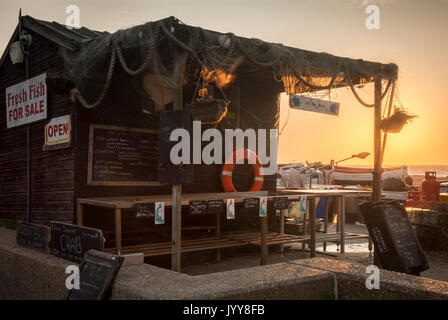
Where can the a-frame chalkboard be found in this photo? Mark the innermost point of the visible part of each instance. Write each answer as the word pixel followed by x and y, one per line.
pixel 98 271
pixel 394 238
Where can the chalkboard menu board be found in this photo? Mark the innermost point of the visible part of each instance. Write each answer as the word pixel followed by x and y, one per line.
pixel 120 156
pixel 197 207
pixel 71 242
pixel 252 203
pixel 281 203
pixel 202 207
pixel 33 236
pixel 145 210
pixel 98 271
pixel 215 206
pixel 394 238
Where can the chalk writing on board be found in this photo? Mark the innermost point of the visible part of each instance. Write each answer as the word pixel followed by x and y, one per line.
pixel 215 206
pixel 251 203
pixel 71 242
pixel 122 155
pixel 144 210
pixel 33 236
pixel 198 207
pixel 98 271
pixel 281 203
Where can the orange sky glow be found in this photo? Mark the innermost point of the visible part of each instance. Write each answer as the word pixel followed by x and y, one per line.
pixel 412 34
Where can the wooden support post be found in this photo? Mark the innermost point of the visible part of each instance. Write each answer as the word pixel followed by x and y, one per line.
pixel 79 214
pixel 391 101
pixel 305 217
pixel 176 228
pixel 218 235
pixel 377 171
pixel 327 208
pixel 342 215
pixel 176 194
pixel 376 196
pixel 337 206
pixel 118 230
pixel 282 227
pixel 312 214
pixel 264 233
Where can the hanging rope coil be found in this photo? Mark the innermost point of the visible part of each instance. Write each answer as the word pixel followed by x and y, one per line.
pixel 182 45
pixel 356 94
pixel 76 94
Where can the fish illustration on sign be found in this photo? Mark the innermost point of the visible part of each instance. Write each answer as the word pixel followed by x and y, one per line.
pixel 160 213
pixel 302 204
pixel 263 206
pixel 230 204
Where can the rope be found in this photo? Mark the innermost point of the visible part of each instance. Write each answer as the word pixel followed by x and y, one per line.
pixel 147 59
pixel 76 94
pixel 329 86
pixel 356 94
pixel 263 64
pixel 182 45
pixel 391 99
pixel 283 127
pixel 125 66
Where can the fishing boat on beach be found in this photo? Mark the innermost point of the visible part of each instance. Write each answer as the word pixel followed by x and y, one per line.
pixel 345 175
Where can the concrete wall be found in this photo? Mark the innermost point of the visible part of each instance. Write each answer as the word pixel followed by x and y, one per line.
pixel 28 274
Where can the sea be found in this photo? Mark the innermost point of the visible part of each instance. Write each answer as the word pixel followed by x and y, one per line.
pixel 419 170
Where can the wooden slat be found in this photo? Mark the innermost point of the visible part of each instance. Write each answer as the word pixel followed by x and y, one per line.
pixel 210 243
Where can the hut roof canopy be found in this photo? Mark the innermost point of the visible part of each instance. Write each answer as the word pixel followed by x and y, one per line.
pixel 166 47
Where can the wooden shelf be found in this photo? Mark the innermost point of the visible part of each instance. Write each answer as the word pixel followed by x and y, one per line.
pixel 233 240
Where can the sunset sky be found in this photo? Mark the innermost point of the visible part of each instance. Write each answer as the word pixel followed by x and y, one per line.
pixel 413 34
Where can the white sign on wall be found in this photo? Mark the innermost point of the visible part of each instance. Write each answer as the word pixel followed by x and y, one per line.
pixel 26 102
pixel 58 131
pixel 297 101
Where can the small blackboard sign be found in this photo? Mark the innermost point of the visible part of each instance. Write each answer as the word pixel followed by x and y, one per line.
pixel 252 203
pixel 33 236
pixel 215 206
pixel 71 242
pixel 198 207
pixel 281 203
pixel 97 273
pixel 144 210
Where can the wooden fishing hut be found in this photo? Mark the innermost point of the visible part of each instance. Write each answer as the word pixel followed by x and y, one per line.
pixel 55 164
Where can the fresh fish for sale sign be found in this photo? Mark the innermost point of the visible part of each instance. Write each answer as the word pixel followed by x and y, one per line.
pixel 26 102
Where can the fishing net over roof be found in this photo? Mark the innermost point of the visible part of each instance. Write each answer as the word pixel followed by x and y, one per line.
pixel 166 47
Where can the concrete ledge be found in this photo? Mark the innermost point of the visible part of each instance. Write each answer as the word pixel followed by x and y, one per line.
pixel 277 281
pixel 29 274
pixel 393 285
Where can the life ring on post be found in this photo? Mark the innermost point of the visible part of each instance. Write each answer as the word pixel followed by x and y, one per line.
pixel 232 160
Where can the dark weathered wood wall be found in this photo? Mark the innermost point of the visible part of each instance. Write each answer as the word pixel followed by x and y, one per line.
pixel 52 172
pixel 59 177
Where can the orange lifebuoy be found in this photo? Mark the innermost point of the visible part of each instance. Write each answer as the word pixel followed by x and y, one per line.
pixel 231 161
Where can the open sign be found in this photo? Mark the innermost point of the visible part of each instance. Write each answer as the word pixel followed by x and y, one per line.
pixel 58 132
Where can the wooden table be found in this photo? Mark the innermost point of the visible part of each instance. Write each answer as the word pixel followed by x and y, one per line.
pixel 312 194
pixel 264 238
